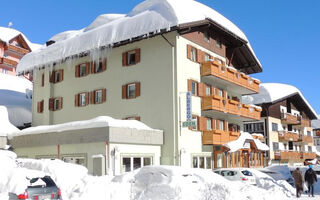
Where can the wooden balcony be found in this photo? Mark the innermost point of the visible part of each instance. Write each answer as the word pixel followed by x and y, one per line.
pixel 217 103
pixel 287 118
pixel 219 137
pixel 309 155
pixel 7 62
pixel 288 155
pixel 18 51
pixel 288 136
pixel 304 122
pixel 230 75
pixel 306 139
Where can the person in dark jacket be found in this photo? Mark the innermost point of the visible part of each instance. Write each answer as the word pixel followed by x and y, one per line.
pixel 311 178
pixel 298 181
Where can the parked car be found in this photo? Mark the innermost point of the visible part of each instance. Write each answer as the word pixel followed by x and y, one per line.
pixel 275 175
pixel 40 188
pixel 284 170
pixel 237 174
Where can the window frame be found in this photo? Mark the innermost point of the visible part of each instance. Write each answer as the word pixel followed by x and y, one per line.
pixel 198 157
pixel 193 54
pixel 82 99
pixel 132 157
pixel 134 91
pixel 81 67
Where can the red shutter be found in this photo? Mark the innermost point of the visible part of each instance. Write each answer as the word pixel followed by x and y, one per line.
pixel 189 85
pixel 76 100
pixel 42 80
pixel 87 98
pixel 124 91
pixel 51 104
pixel 61 75
pixel 77 72
pixel 213 122
pixel 189 51
pixel 104 64
pixel 60 103
pixel 104 95
pixel 124 59
pixel 198 123
pixel 87 68
pixel 202 124
pixel 199 56
pixel 202 89
pixel 137 55
pixel 137 89
pixel 42 104
pixel 93 66
pixel 52 75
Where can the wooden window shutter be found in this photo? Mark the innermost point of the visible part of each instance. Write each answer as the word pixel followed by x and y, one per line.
pixel 202 89
pixel 76 100
pixel 52 75
pixel 138 88
pixel 60 103
pixel 124 58
pixel 218 124
pixel 225 123
pixel 104 65
pixel 124 91
pixel 199 56
pixel 87 98
pixel 77 72
pixel 61 75
pixel 138 54
pixel 189 85
pixel 104 95
pixel 93 66
pixel 92 97
pixel 42 80
pixel 87 68
pixel 38 107
pixel 213 124
pixel 137 118
pixel 51 104
pixel 189 51
pixel 203 124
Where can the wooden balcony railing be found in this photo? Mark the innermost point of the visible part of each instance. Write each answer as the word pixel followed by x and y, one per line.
pixel 305 123
pixel 306 138
pixel 15 49
pixel 8 62
pixel 287 118
pixel 294 155
pixel 213 68
pixel 309 155
pixel 288 136
pixel 219 136
pixel 229 106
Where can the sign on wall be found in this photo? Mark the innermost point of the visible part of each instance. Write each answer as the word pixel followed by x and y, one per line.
pixel 188 104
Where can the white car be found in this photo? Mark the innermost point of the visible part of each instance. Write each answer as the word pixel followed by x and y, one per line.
pixel 237 174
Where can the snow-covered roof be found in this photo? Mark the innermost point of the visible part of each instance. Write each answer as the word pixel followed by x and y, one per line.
pixel 102 121
pixel 273 92
pixel 6 34
pixel 149 16
pixel 241 141
pixel 16 96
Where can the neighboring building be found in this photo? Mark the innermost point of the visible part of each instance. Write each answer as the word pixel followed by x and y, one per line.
pixel 285 123
pixel 142 66
pixel 316 133
pixel 13 46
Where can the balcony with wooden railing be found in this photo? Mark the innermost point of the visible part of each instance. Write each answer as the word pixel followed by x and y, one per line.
pixel 288 155
pixel 288 118
pixel 7 62
pixel 309 155
pixel 219 137
pixel 230 75
pixel 306 138
pixel 17 51
pixel 288 136
pixel 229 106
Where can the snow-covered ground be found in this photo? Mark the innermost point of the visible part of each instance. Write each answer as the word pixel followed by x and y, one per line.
pixel 152 182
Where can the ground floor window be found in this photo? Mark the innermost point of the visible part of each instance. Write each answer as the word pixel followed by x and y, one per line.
pixel 203 162
pixel 75 159
pixel 130 163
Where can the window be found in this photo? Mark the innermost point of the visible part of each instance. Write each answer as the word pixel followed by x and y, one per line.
pixel 206 36
pixel 132 118
pixel 99 66
pixel 275 146
pixel 98 96
pixel 208 90
pixel 219 92
pixel 193 54
pixel 83 70
pixel 206 57
pixel 55 103
pixel 194 88
pixel 42 80
pixel 308 133
pixel 254 127
pixel 80 160
pixel 219 44
pixel 203 162
pixel 209 124
pixel 221 125
pixel 195 118
pixel 309 149
pixel 5 71
pixel 131 90
pixel 131 57
pixel 290 144
pixel 40 106
pixel 130 163
pixel 274 127
pixel 56 76
pixel 82 99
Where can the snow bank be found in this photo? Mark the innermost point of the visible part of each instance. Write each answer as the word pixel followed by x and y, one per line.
pixel 242 140
pixel 149 16
pixel 6 126
pixel 102 121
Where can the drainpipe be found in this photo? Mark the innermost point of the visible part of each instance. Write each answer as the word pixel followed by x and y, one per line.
pixel 174 95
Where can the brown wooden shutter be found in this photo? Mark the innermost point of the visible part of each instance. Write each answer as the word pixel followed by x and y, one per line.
pixel 87 98
pixel 38 107
pixel 137 55
pixel 52 75
pixel 189 85
pixel 202 89
pixel 224 93
pixel 87 68
pixel 137 118
pixel 203 124
pixel 124 91
pixel 138 92
pixel 104 64
pixel 199 56
pixel 124 58
pixel 76 100
pixel 61 75
pixel 60 103
pixel 42 80
pixel 92 97
pixel 93 66
pixel 189 51
pixel 104 95
pixel 213 122
pixel 218 124
pixel 51 104
pixel 77 72
pixel 225 123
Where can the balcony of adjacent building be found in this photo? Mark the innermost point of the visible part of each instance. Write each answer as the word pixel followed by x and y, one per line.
pixel 15 51
pixel 7 62
pixel 294 155
pixel 287 136
pixel 297 120
pixel 219 137
pixel 213 72
pixel 218 105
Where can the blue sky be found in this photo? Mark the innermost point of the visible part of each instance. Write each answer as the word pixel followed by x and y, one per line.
pixel 284 34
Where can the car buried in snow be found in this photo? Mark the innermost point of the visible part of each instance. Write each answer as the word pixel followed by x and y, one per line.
pixel 39 188
pixel 237 174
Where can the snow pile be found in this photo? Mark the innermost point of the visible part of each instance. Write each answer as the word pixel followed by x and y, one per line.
pixel 150 16
pixel 271 92
pixel 244 138
pixel 6 126
pixel 6 34
pixel 16 96
pixel 283 169
pixel 102 121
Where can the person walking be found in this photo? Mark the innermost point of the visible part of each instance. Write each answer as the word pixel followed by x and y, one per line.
pixel 311 178
pixel 298 181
